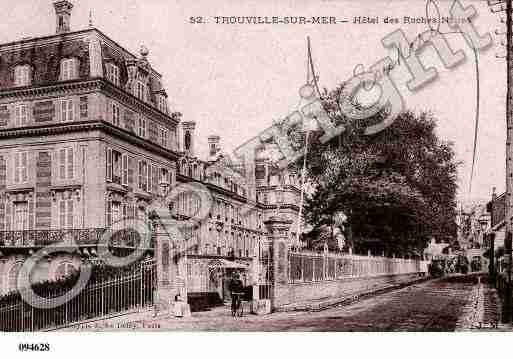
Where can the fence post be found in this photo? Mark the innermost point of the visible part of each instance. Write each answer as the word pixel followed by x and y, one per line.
pixel 142 286
pixel 103 297
pixel 277 229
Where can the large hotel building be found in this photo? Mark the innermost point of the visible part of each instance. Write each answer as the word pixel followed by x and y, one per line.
pixel 86 136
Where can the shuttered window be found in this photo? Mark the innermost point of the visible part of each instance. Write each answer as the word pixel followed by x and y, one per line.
pixel 22 75
pixel 21 115
pixel 69 69
pixel 113 74
pixel 143 175
pixel 66 213
pixel 66 163
pixel 20 167
pixel 67 110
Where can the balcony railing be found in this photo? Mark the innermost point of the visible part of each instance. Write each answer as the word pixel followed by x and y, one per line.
pixel 80 237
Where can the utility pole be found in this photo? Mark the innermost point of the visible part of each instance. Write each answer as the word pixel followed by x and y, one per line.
pixel 499 6
pixel 507 310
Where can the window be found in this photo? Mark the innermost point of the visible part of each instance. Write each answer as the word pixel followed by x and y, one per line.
pixel 68 69
pixel 64 269
pixel 113 74
pixel 162 103
pixel 66 214
pixel 20 218
pixel 143 176
pixel 163 137
pixel 12 277
pixel 141 129
pixel 164 176
pixel 20 167
pixel 21 114
pixel 66 163
pixel 22 75
pixel 116 212
pixel 116 115
pixel 67 110
pixel 117 167
pixel 140 90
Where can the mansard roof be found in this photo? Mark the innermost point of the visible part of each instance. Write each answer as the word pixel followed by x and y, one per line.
pixel 44 54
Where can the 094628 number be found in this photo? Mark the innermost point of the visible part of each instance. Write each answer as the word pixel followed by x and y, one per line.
pixel 31 347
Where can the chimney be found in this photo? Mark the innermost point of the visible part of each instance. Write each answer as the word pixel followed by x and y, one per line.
pixel 63 15
pixel 188 137
pixel 213 144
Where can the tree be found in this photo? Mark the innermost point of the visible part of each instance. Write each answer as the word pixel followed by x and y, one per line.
pixel 396 187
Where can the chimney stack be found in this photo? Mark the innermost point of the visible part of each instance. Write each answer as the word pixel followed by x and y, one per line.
pixel 188 128
pixel 213 144
pixel 63 14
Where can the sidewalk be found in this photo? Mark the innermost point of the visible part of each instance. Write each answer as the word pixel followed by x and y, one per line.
pixel 482 311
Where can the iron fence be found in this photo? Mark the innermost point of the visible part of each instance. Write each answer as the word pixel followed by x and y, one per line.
pixel 312 267
pixel 97 300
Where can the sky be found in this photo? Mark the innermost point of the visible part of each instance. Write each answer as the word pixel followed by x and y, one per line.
pixel 234 80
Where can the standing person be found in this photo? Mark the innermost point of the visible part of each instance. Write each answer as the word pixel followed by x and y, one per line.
pixel 235 287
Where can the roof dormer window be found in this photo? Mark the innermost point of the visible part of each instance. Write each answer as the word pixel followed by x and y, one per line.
pixel 113 73
pixel 162 103
pixel 22 75
pixel 140 90
pixel 69 69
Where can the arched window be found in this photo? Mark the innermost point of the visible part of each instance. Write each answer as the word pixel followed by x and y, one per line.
pixel 64 269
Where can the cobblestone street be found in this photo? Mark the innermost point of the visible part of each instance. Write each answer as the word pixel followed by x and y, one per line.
pixel 436 305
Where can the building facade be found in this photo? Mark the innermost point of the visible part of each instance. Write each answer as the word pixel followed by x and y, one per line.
pixel 86 138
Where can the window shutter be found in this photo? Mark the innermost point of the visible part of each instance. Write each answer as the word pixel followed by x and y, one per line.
pixel 71 110
pixel 24 166
pixel 70 214
pixel 17 167
pixel 124 165
pixel 70 163
pixel 63 110
pixel 62 213
pixel 155 179
pixel 109 164
pixel 57 109
pixel 140 175
pixel 62 164
pixel 8 216
pixel 109 213
pixel 130 172
pixel 76 109
pixel 149 178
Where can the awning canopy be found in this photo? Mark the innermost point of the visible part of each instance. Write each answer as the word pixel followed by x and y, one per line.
pixel 224 263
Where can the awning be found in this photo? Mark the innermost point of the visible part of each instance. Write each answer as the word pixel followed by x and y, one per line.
pixel 224 263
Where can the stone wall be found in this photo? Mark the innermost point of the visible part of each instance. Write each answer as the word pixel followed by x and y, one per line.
pixel 330 289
